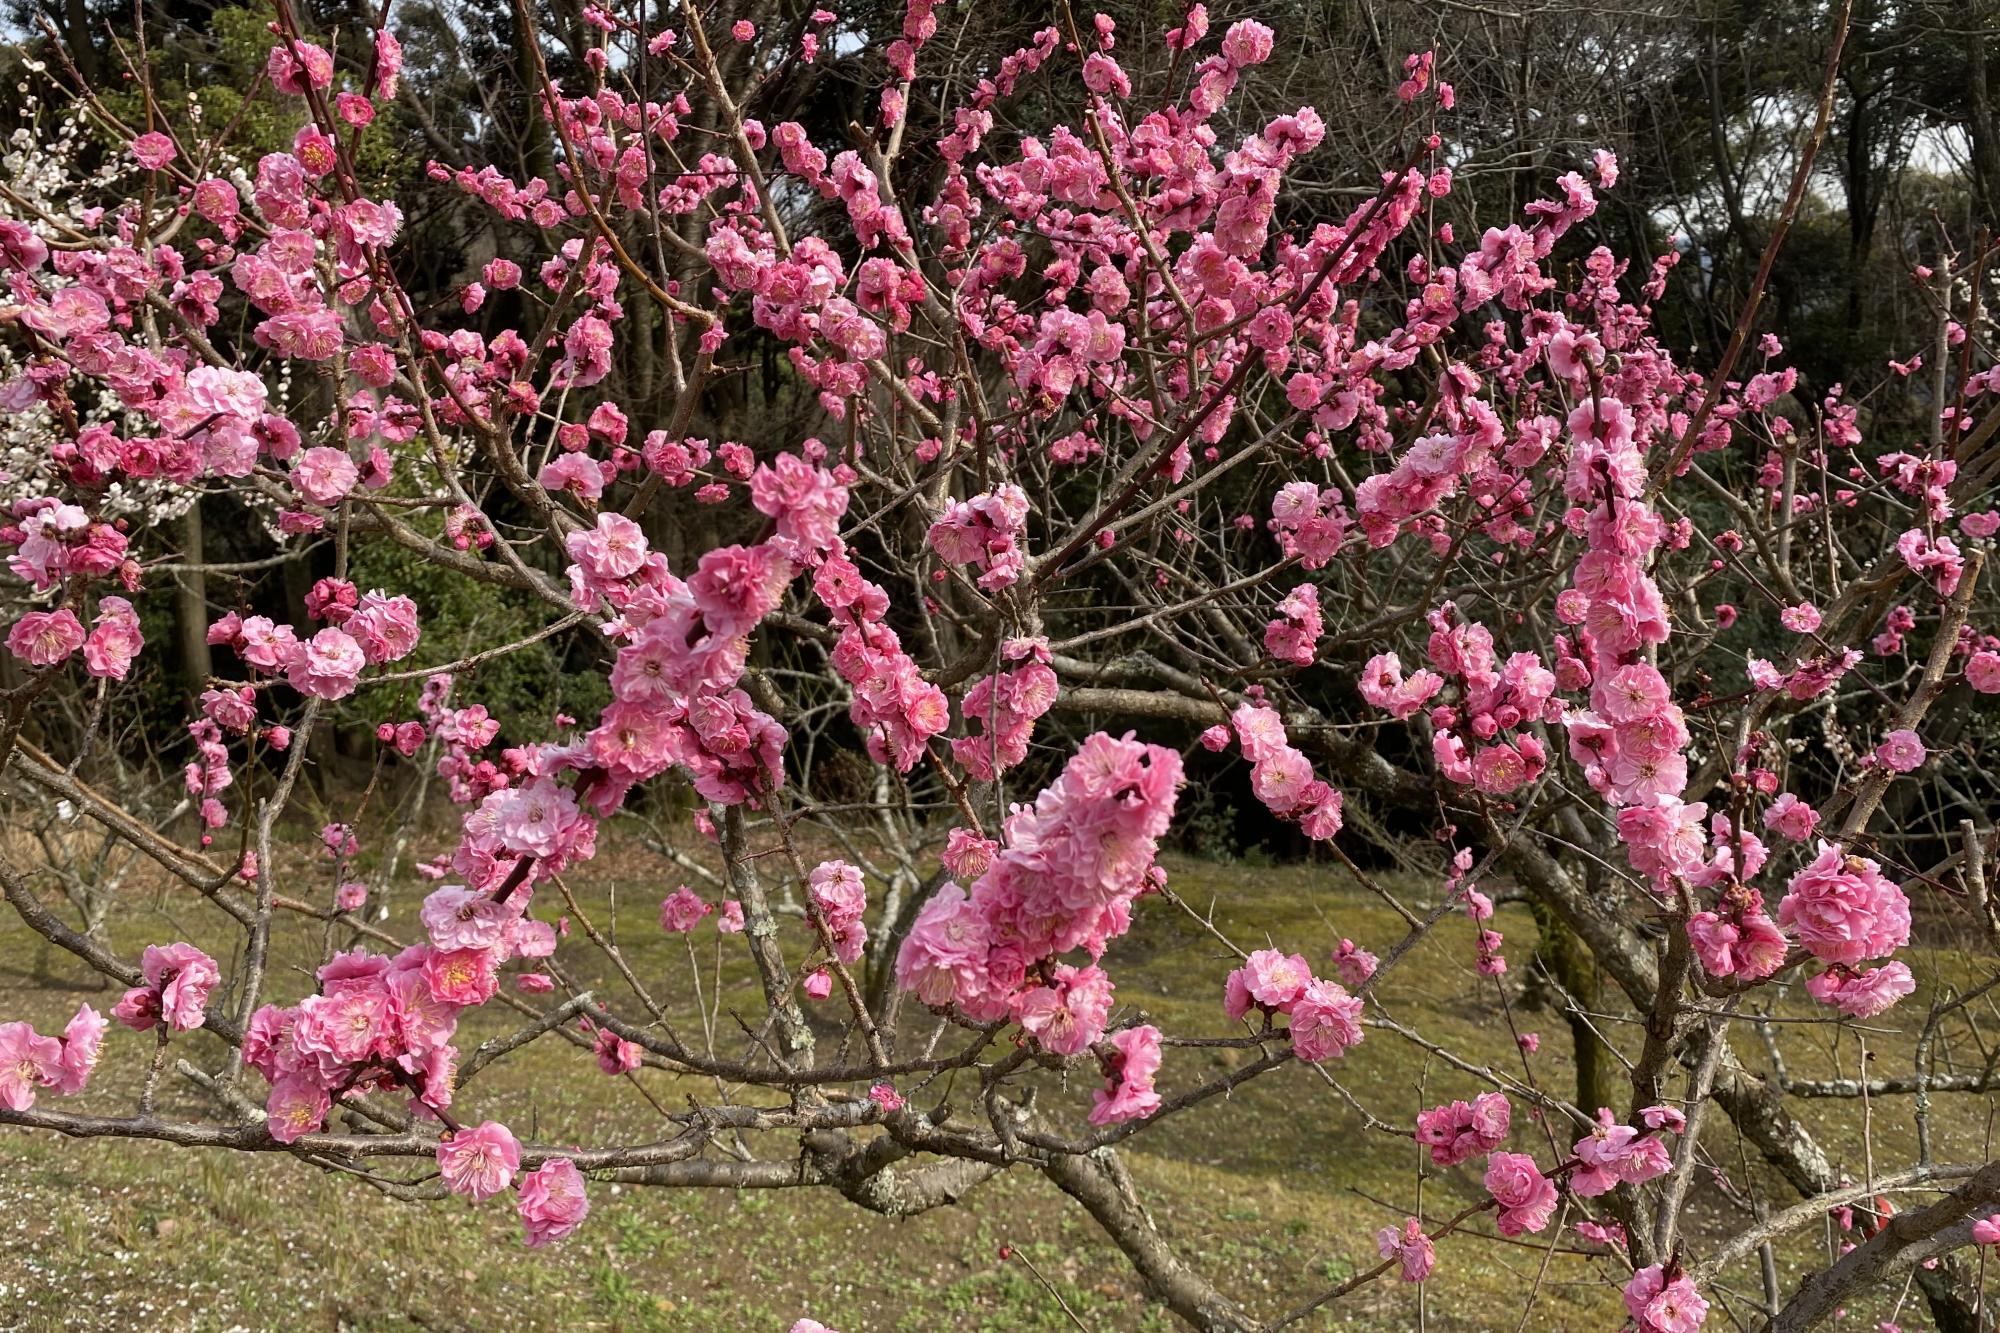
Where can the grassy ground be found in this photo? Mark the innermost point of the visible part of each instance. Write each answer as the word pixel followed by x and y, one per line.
pixel 1274 1191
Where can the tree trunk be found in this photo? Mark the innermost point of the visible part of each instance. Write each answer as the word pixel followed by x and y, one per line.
pixel 1952 1310
pixel 191 604
pixel 538 152
pixel 1985 137
pixel 81 40
pixel 1573 969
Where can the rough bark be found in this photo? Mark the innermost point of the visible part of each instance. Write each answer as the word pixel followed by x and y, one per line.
pixel 761 932
pixel 1905 1242
pixel 1098 1182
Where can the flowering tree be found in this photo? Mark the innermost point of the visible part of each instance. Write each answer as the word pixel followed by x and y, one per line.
pixel 1104 426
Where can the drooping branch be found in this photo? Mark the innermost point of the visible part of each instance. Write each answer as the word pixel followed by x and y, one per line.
pixel 1099 1182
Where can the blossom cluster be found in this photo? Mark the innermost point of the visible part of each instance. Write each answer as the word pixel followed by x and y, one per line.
pixel 1324 1019
pixel 1136 284
pixel 361 631
pixel 1281 775
pixel 1460 1131
pixel 177 982
pixel 1292 635
pixel 1486 740
pixel 387 1021
pixel 1065 878
pixel 484 1161
pixel 840 898
pixel 985 532
pixel 1001 709
pixel 29 1061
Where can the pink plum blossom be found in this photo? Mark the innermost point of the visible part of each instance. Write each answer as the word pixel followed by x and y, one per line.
pixel 1901 750
pixel 1409 1247
pixel 552 1202
pixel 1130 1063
pixel 1844 910
pixel 479 1162
pixel 682 910
pixel 178 978
pixel 1526 1197
pixel 1659 1304
pixel 27 1062
pixel 45 638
